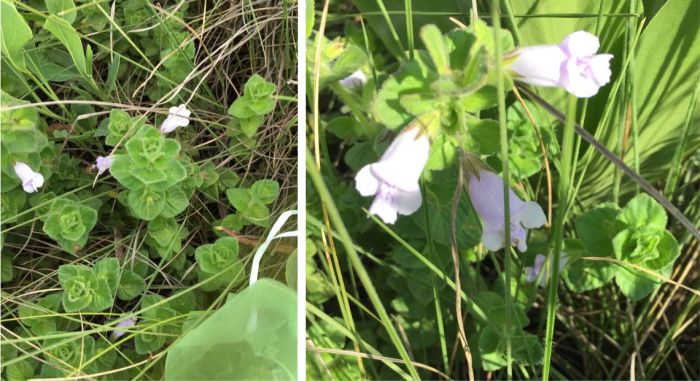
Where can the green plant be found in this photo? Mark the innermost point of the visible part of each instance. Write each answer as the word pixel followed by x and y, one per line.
pixel 219 261
pixel 251 202
pixel 69 223
pixel 256 102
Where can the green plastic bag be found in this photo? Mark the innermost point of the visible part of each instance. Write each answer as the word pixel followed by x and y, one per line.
pixel 251 337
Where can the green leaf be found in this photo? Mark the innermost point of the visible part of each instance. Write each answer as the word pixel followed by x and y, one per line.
pixel 15 34
pixel 413 77
pixel 597 228
pixel 249 126
pixel 6 267
pixel 581 275
pixel 434 43
pixel 119 125
pixel 175 202
pixel 265 191
pixel 215 257
pixel 108 269
pixel 102 298
pixel 644 212
pixel 131 285
pixel 77 282
pixel 257 213
pixel 62 8
pixel 668 249
pixel 20 370
pixel 486 134
pixel 634 283
pixel 146 203
pixel 310 16
pixel 70 39
pixel 62 353
pixel 240 198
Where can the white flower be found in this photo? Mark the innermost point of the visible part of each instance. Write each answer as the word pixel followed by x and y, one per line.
pixel 393 180
pixel 177 117
pixel 31 181
pixel 572 65
pixel 531 273
pixel 486 194
pixel 127 323
pixel 354 80
pixel 103 163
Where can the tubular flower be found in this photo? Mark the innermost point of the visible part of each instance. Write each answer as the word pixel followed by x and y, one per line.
pixel 127 323
pixel 102 163
pixel 177 117
pixel 572 65
pixel 486 194
pixel 354 80
pixel 31 181
pixel 393 180
pixel 531 273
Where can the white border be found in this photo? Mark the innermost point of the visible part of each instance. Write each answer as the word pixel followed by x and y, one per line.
pixel 301 190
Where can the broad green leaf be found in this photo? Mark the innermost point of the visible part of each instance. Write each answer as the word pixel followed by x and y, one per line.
pixel 434 44
pixel 258 214
pixel 108 269
pixel 635 284
pixel 131 285
pixel 596 228
pixel 6 267
pixel 175 202
pixel 644 212
pixel 240 198
pixel 581 275
pixel 146 203
pixel 265 191
pixel 102 296
pixel 310 17
pixel 64 9
pixel 77 282
pixel 119 125
pixel 70 39
pixel 486 134
pixel 413 77
pixel 19 371
pixel 15 33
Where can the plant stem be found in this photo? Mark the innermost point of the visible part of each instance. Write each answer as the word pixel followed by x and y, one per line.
pixel 495 12
pixel 558 235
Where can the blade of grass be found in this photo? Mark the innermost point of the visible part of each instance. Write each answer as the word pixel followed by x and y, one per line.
pixel 500 85
pixel 357 265
pixel 565 179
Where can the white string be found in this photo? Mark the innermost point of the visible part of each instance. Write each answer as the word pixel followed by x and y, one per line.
pixel 276 227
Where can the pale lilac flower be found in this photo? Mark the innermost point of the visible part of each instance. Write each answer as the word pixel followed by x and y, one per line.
pixel 130 322
pixel 572 65
pixel 531 273
pixel 103 163
pixel 177 117
pixel 486 194
pixel 393 180
pixel 31 181
pixel 354 80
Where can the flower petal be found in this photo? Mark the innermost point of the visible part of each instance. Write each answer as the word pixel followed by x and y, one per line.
pixel 23 171
pixel 354 80
pixel 539 65
pixel 532 216
pixel 580 44
pixel 365 182
pixel 383 208
pixel 493 240
pixel 407 202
